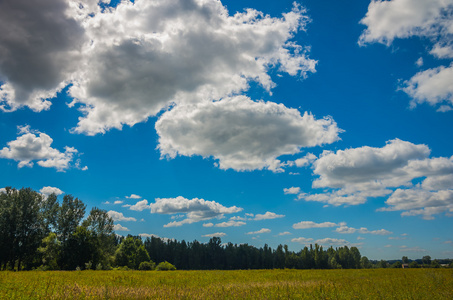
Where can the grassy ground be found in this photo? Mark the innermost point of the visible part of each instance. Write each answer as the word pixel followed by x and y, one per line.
pixel 252 284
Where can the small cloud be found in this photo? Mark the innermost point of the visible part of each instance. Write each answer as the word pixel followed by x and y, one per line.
pixel 291 191
pixel 360 238
pixel 118 202
pixel 140 205
pixel 133 196
pixel 311 224
pixel 388 246
pixel 267 216
pixel 262 230
pixel 208 224
pixel 285 233
pixel 118 227
pixel 47 190
pixel 117 216
pixel 230 224
pixel 419 62
pixel 302 240
pixel 217 234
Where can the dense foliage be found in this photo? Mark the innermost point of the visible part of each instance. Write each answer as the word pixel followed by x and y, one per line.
pixel 38 232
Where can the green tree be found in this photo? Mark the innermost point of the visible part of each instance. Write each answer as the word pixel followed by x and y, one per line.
pixel 50 209
pixel 100 224
pixel 70 214
pixel 365 263
pixel 405 260
pixel 50 250
pixel 79 249
pixel 426 260
pixel 131 252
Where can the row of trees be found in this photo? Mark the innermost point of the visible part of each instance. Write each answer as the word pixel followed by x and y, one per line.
pixel 215 255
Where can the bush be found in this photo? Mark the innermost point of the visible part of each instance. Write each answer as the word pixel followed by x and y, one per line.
pixel 165 266
pixel 147 266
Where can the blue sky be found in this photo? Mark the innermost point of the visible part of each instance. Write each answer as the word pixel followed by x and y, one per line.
pixel 256 121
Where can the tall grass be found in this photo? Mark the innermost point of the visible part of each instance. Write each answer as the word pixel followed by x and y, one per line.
pixel 252 284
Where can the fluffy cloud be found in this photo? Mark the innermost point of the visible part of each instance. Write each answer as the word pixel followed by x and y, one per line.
pixel 347 230
pixel 40 46
pixel 415 202
pixel 117 216
pixel 178 51
pixel 388 20
pixel 140 205
pixel 262 230
pixel 354 175
pixel 311 224
pixel 47 190
pixel 284 233
pixel 217 234
pixel 133 196
pixel 433 86
pixel 324 242
pixel 230 223
pixel 119 227
pixel 33 145
pixel 240 133
pixel 267 216
pixel 196 210
pixel 127 63
pixel 291 191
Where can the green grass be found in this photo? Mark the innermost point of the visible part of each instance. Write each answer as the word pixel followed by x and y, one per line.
pixel 252 284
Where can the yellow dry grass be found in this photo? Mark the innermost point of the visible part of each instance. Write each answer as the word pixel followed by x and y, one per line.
pixel 250 284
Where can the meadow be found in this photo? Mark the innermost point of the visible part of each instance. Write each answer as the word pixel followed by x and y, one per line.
pixel 247 284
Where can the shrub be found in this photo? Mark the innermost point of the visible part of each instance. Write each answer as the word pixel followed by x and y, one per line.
pixel 165 266
pixel 147 266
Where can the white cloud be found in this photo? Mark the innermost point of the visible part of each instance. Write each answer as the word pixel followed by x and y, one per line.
pixel 117 216
pixel 218 59
pixel 433 86
pixel 217 234
pixel 352 176
pixel 196 210
pixel 140 205
pixel 412 249
pixel 118 202
pixel 311 224
pixel 347 230
pixel 240 133
pixel 308 159
pixel 208 224
pixel 267 216
pixel 230 223
pixel 119 227
pixel 47 190
pixel 415 202
pixel 262 230
pixel 291 191
pixel 332 242
pixel 284 233
pixel 302 240
pixel 387 20
pixel 133 196
pixel 33 145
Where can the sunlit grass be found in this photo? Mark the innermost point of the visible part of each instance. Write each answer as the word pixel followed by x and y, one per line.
pixel 252 284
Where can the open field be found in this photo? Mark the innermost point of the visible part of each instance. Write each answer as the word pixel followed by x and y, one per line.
pixel 251 284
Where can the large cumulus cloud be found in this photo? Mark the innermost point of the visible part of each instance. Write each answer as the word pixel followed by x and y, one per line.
pixel 240 133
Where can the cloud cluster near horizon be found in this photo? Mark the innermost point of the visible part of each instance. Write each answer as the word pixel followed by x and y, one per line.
pixel 352 176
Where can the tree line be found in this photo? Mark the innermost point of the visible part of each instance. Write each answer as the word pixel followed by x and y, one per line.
pixel 38 232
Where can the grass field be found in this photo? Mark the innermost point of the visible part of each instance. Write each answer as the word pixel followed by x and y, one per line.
pixel 252 284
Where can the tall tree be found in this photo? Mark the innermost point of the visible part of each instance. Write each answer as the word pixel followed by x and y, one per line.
pixel 70 214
